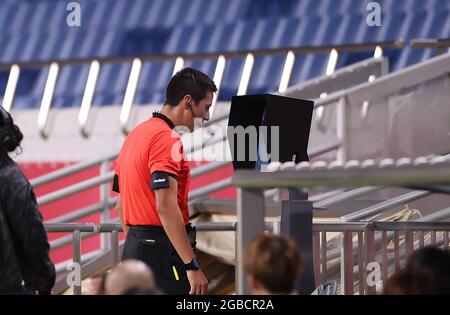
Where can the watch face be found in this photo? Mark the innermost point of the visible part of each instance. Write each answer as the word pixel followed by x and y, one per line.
pixel 196 263
pixel 193 265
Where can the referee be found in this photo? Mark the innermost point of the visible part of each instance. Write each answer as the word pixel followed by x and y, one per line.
pixel 152 179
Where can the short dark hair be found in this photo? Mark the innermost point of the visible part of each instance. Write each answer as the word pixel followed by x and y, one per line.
pixel 188 81
pixel 275 261
pixel 10 134
pixel 427 271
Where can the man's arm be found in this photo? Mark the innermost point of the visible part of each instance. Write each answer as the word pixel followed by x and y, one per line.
pixel 120 215
pixel 173 224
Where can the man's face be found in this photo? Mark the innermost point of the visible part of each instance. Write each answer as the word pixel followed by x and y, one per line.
pixel 200 111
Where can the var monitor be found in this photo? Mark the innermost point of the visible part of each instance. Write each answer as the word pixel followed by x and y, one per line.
pixel 266 128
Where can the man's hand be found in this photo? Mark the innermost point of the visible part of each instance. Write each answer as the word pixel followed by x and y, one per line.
pixel 198 282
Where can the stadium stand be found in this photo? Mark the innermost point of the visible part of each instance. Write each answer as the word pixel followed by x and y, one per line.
pixel 395 96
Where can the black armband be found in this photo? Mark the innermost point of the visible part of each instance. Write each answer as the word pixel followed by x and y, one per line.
pixel 160 180
pixel 115 186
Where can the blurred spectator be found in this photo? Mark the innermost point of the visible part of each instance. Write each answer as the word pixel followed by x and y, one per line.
pixel 140 291
pixel 97 285
pixel 25 266
pixel 427 271
pixel 129 275
pixel 400 283
pixel 273 264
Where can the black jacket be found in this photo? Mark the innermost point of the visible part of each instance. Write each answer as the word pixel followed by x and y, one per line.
pixel 25 265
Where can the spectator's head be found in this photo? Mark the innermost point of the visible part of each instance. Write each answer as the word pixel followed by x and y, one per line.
pixel 192 90
pixel 10 134
pixel 431 267
pixel 427 271
pixel 273 264
pixel 130 274
pixel 400 283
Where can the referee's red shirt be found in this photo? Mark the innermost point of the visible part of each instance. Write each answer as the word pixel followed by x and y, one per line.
pixel 151 146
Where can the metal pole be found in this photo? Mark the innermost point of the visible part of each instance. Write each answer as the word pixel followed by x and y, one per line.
pixel 250 215
pixel 370 256
pixel 105 215
pixel 316 250
pixel 347 263
pixel 340 126
pixel 114 247
pixel 361 266
pixel 76 246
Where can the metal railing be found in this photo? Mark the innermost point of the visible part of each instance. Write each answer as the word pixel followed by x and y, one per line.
pixel 441 45
pixel 366 266
pixel 356 263
pixel 137 64
pixel 92 262
pixel 251 203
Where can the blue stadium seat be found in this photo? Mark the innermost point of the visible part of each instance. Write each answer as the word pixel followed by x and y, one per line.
pixel 221 34
pixel 179 40
pixel 306 8
pixel 267 71
pixel 7 15
pixel 327 33
pixel 231 78
pixel 150 16
pixel 42 11
pixel 73 39
pixel 266 74
pixel 242 32
pixel 152 82
pixel 264 33
pixel 306 33
pixel 348 31
pixel 115 27
pixel 3 81
pixel 217 11
pixel 39 83
pixel 308 66
pixel 208 66
pixel 4 43
pixel 26 102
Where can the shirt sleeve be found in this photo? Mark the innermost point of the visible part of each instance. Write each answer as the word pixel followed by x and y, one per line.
pixel 165 153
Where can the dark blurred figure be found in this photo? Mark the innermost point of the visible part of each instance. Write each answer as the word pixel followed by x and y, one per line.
pixel 25 266
pixel 427 271
pixel 400 283
pixel 273 264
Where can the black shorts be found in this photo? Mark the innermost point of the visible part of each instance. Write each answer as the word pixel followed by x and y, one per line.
pixel 151 245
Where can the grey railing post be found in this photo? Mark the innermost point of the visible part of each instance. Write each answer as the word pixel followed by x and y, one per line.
pixel 347 263
pixel 115 255
pixel 296 223
pixel 250 215
pixel 370 258
pixel 105 216
pixel 342 110
pixel 76 247
pixel 115 247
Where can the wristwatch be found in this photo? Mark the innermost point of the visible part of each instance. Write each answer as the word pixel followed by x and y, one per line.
pixel 193 265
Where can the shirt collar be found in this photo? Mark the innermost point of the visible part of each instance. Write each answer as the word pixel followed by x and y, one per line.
pixel 165 118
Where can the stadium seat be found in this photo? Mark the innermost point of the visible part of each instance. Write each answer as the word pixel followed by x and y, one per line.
pixel 111 28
